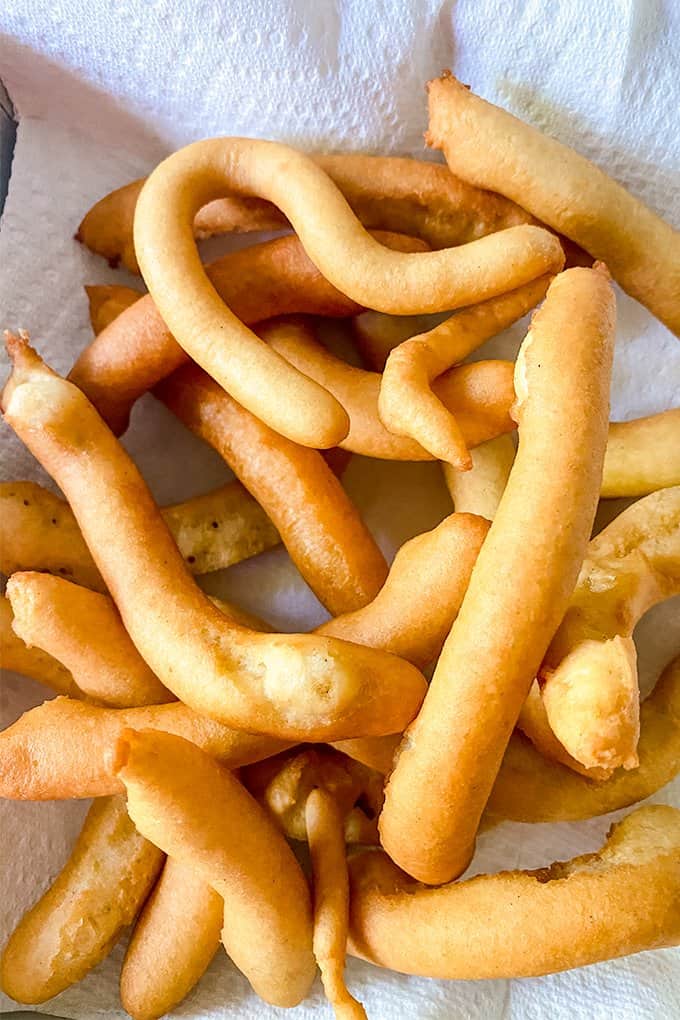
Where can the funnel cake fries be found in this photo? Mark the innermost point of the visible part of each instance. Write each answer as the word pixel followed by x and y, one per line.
pixel 449 758
pixel 174 939
pixel 623 899
pixel 339 246
pixel 589 675
pixel 39 532
pixel 74 926
pixel 407 404
pixel 130 357
pixel 407 195
pixel 201 815
pixel 324 824
pixel 318 523
pixel 490 148
pixel 296 687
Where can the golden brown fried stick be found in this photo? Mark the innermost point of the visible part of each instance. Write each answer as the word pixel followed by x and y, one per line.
pixel 490 148
pixel 480 394
pixel 83 914
pixel 407 195
pixel 33 662
pixel 588 678
pixel 643 455
pixel 431 569
pixel 623 899
pixel 479 491
pixel 175 937
pixel 325 833
pixel 49 612
pixel 520 585
pixel 530 788
pixel 292 686
pixel 39 532
pixel 407 404
pixel 61 748
pixel 136 352
pixel 202 816
pixel 357 264
pixel 319 525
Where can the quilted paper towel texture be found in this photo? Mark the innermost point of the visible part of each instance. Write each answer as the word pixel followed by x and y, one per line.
pixel 104 90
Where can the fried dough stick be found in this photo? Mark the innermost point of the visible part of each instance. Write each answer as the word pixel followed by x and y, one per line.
pixel 406 195
pixel 623 899
pixel 74 926
pixel 588 678
pixel 490 148
pixel 449 758
pixel 32 662
pixel 326 836
pixel 39 532
pixel 318 523
pixel 407 403
pixel 202 816
pixel 293 686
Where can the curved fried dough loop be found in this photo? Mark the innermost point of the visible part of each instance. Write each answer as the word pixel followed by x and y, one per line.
pixel 319 525
pixel 479 490
pixel 49 612
pixel 490 148
pixel 33 662
pixel 449 758
pixel 589 675
pixel 80 918
pixel 643 455
pixel 407 403
pixel 530 788
pixel 481 395
pixel 346 254
pixel 297 687
pixel 61 748
pixel 39 532
pixel 180 799
pixel 324 824
pixel 623 899
pixel 283 785
pixel 138 350
pixel 407 195
pixel 175 937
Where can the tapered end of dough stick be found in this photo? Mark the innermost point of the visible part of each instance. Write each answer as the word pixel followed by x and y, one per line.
pixel 597 681
pixel 107 302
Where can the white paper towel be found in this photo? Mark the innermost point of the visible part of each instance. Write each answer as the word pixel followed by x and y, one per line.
pixel 102 91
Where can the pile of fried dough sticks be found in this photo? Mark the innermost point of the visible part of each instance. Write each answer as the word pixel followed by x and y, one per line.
pixel 184 716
